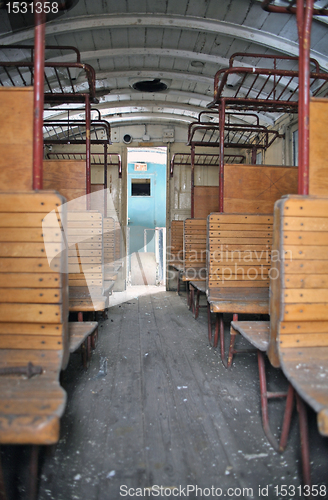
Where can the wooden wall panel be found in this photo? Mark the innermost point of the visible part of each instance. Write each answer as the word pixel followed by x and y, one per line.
pixel 318 173
pixel 16 139
pixel 255 188
pixel 206 200
pixel 97 201
pixel 68 177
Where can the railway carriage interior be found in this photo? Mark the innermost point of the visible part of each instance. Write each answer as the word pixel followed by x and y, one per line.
pixel 163 249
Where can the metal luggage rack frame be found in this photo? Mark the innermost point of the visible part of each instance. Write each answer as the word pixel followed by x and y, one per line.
pixel 60 80
pixel 202 160
pixel 74 132
pixel 267 89
pixel 96 158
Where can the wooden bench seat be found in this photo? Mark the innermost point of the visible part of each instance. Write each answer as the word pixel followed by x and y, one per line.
pixel 256 332
pixel 34 316
pixel 175 250
pixel 194 253
pixel 79 331
pixel 200 288
pixel 301 313
pixel 86 262
pixel 238 265
pixel 87 304
pixel 110 240
pixel 239 300
pixel 83 335
pixel 296 338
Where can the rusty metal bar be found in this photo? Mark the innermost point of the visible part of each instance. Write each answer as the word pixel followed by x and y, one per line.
pixel 304 96
pixel 33 475
pixel 47 47
pixel 287 418
pixel 39 38
pixel 3 494
pixel 87 150
pixel 301 108
pixel 221 168
pixel 63 97
pixel 266 5
pixel 304 435
pixel 105 180
pixel 192 181
pixel 264 402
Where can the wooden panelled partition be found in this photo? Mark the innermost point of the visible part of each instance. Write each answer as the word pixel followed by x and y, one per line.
pixel 68 177
pixel 318 171
pixel 206 200
pixel 255 188
pixel 16 138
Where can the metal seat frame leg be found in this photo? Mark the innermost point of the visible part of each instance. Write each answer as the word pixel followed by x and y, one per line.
pixel 265 396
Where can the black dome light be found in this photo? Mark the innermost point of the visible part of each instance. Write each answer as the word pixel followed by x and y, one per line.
pixel 150 86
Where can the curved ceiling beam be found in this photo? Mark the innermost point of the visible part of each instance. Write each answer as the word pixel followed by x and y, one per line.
pixel 147 51
pixel 151 106
pixel 156 73
pixel 88 23
pixel 150 118
pixel 168 97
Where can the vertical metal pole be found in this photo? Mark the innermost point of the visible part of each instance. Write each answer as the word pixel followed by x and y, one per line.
pixel 304 434
pixel 221 168
pixel 192 181
pixel 39 51
pixel 306 47
pixel 105 180
pixel 254 153
pixel 3 495
pixel 304 21
pixel 33 477
pixel 88 146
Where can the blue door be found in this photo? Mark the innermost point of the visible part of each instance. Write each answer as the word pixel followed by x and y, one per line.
pixel 146 203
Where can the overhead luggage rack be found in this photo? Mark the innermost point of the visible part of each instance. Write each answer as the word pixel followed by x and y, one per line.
pixel 268 87
pixel 96 158
pixel 74 132
pixel 202 160
pixel 235 135
pixel 64 82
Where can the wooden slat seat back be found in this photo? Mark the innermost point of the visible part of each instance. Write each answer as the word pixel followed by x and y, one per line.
pixel 176 243
pixel 299 312
pixel 238 262
pixel 194 249
pixel 85 258
pixel 33 315
pixel 109 247
pixel 109 240
pixel 118 242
